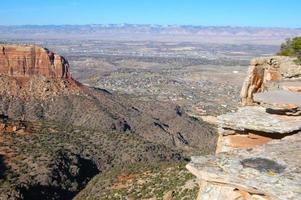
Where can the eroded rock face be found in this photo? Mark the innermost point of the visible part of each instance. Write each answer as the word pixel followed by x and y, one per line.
pixel 29 60
pixel 41 160
pixel 257 150
pixel 270 171
pixel 256 118
pixel 266 73
pixel 284 101
pixel 35 84
pixel 29 71
pixel 229 140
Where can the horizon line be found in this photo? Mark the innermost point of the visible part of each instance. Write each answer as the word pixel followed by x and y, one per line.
pixel 153 24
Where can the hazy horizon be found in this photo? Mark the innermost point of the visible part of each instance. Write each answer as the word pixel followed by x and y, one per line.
pixel 159 25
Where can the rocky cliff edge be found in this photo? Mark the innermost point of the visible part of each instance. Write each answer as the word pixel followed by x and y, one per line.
pixel 258 149
pixel 28 60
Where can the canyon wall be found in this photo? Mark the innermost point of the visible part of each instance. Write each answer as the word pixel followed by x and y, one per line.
pixel 28 60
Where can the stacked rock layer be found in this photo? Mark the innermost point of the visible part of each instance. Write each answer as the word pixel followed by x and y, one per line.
pixel 29 60
pixel 258 150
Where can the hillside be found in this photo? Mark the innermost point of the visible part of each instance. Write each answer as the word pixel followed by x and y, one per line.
pixel 160 181
pixel 54 128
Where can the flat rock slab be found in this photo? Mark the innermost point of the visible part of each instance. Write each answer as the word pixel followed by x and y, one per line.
pixel 281 99
pixel 272 169
pixel 257 119
pixel 291 85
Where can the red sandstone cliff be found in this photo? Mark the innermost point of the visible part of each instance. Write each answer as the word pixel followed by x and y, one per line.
pixel 28 60
pixel 29 71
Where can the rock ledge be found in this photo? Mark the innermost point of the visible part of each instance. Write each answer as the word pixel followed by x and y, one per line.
pixel 258 149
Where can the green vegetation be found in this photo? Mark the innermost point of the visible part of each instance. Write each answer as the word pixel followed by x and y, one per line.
pixel 141 181
pixel 68 156
pixel 291 47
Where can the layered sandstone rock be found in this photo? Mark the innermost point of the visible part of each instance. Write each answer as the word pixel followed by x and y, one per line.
pixel 29 71
pixel 258 146
pixel 268 172
pixel 252 126
pixel 291 85
pixel 29 60
pixel 280 101
pixel 268 73
pixel 257 119
pixel 31 91
pixel 271 87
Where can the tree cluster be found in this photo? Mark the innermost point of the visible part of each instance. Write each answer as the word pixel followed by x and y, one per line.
pixel 291 47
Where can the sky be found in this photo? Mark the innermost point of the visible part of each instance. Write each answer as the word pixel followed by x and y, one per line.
pixel 258 13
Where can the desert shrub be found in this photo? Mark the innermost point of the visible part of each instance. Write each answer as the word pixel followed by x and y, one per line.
pixel 291 47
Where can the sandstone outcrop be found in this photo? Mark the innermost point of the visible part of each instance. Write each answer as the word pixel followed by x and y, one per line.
pixel 29 60
pixel 257 119
pixel 49 93
pixel 72 132
pixel 29 71
pixel 268 73
pixel 280 100
pixel 269 172
pixel 276 102
pixel 258 146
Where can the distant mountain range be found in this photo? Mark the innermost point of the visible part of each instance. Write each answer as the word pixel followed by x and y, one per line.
pixel 168 33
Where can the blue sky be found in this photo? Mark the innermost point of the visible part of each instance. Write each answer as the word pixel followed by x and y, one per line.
pixel 270 13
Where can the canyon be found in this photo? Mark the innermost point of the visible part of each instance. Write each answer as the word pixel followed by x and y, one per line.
pixel 61 138
pixel 56 133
